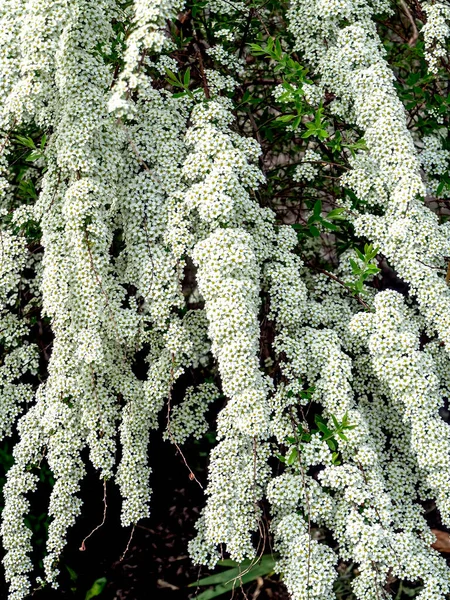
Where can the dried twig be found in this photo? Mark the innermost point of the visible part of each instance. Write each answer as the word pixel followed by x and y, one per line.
pixel 192 476
pixel 128 544
pixel 105 506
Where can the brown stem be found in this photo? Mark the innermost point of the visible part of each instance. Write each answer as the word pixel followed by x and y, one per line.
pixel 105 506
pixel 128 544
pixel 202 71
pixel 343 284
pixel 192 476
pixel 415 35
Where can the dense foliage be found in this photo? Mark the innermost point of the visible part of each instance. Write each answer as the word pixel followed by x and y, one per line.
pixel 256 194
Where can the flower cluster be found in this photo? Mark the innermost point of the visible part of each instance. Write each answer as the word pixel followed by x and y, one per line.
pixel 435 32
pixel 309 166
pixel 228 257
pixel 148 22
pixel 152 237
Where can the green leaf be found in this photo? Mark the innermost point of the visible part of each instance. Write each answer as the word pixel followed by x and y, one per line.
pixel 187 78
pixel 27 189
pixel 324 429
pixel 335 421
pixel 335 458
pixel 370 252
pixel 227 562
pixel 197 8
pixel 292 457
pixel 308 133
pixel 329 226
pixel 360 254
pixel 34 155
pixel 173 79
pixel 265 559
pixel 444 183
pixel 372 269
pixel 317 208
pixel 306 394
pixel 331 444
pixel 336 213
pixel 359 286
pixel 356 269
pixel 171 75
pixel 359 145
pixel 246 97
pixel 257 50
pixel 285 118
pixel 278 49
pixel 231 578
pixel 318 117
pixel 297 121
pixel 25 141
pixel 97 588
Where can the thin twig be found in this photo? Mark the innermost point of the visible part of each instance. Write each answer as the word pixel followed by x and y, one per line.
pixel 202 72
pixel 192 476
pixel 128 544
pixel 343 284
pixel 105 506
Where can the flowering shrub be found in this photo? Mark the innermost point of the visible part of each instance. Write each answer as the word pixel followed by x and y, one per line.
pixel 259 193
